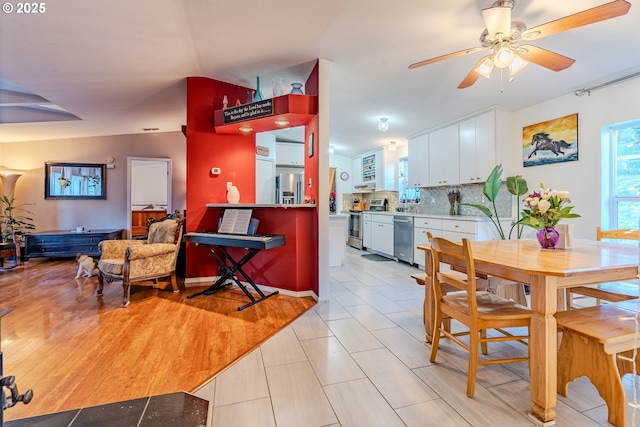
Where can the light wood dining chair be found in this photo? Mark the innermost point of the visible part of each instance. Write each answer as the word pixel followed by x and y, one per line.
pixel 477 310
pixel 612 292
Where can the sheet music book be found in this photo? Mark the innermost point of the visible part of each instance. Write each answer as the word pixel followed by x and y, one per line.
pixel 235 221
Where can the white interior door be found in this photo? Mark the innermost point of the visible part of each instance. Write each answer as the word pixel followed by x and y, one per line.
pixel 265 181
pixel 148 184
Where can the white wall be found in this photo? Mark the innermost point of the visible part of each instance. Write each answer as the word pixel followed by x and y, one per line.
pixel 342 164
pixel 582 178
pixel 95 214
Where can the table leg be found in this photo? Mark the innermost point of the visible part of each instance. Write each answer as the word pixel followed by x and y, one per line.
pixel 543 348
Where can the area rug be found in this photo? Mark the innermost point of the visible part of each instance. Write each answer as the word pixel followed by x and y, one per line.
pixel 376 257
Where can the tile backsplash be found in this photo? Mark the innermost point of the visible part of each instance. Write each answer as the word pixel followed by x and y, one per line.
pixel 434 200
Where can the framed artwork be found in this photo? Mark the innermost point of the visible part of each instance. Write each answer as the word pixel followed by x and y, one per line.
pixel 310 145
pixel 553 141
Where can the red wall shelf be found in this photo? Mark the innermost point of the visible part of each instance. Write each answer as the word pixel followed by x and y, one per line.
pixel 299 110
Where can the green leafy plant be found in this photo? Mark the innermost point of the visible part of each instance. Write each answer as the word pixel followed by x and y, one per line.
pixel 16 220
pixel 516 185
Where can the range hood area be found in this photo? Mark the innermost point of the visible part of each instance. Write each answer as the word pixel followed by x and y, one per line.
pixel 366 187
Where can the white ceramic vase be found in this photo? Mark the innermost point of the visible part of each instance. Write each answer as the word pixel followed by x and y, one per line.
pixel 233 195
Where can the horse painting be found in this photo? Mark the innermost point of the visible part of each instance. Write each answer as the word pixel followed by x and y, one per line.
pixel 552 141
pixel 542 142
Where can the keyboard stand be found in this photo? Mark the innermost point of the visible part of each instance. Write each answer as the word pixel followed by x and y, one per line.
pixel 231 272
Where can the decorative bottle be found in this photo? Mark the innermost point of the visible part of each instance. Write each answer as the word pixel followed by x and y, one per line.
pixel 225 102
pixel 258 96
pixel 297 89
pixel 233 195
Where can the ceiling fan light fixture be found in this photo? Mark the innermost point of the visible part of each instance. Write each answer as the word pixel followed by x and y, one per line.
pixel 383 125
pixel 504 56
pixel 517 64
pixel 485 67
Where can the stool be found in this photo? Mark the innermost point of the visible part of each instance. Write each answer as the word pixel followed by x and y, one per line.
pixel 592 339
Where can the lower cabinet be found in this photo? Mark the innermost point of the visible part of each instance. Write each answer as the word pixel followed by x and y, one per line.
pixel 66 243
pixel 456 230
pixel 382 234
pixel 366 230
pixel 422 226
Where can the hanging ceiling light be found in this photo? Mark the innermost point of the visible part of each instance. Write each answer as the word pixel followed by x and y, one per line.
pixel 382 124
pixel 392 146
pixel 517 64
pixel 485 67
pixel 504 55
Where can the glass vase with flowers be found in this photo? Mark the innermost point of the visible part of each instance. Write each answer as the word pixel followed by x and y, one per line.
pixel 544 208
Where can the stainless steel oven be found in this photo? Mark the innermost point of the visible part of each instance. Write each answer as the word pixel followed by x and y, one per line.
pixel 354 238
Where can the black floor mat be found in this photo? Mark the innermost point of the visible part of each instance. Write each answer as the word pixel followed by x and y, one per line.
pixel 376 257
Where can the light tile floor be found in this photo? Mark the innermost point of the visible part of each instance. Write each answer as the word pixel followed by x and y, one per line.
pixel 360 360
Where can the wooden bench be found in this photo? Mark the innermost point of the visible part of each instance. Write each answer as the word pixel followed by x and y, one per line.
pixel 598 342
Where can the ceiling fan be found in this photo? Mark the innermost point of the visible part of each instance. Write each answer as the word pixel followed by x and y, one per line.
pixel 503 38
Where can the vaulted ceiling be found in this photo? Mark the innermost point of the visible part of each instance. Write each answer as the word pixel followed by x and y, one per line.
pixel 117 67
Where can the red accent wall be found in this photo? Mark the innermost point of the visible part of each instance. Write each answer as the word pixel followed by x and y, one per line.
pixel 293 266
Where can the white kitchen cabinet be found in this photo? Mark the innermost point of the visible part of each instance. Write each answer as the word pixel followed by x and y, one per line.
pixel 289 154
pixel 376 168
pixel 456 230
pixel 419 161
pixel 382 234
pixel 477 147
pixel 444 164
pixel 422 226
pixel 366 230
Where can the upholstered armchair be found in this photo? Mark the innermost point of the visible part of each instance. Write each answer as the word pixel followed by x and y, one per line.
pixel 142 262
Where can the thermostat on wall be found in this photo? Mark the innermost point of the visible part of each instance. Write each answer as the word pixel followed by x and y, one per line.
pixel 215 171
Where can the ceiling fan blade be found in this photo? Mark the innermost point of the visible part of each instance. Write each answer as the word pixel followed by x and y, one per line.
pixel 497 20
pixel 472 77
pixel 443 57
pixel 590 16
pixel 545 58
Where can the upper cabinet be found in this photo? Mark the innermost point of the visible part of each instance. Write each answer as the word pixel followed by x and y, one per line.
pixel 419 161
pixel 376 169
pixel 443 156
pixel 464 152
pixel 289 154
pixel 477 148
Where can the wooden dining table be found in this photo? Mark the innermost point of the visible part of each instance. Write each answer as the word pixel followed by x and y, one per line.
pixel 546 271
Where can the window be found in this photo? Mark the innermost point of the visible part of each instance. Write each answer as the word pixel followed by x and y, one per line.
pixel 625 175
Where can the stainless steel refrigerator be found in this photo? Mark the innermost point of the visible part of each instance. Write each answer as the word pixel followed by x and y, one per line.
pixel 289 188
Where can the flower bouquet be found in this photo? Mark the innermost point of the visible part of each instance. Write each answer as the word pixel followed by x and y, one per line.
pixel 543 210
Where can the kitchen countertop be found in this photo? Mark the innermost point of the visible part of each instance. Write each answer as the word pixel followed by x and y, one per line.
pixel 422 215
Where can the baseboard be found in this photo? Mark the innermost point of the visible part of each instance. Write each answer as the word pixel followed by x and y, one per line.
pixel 206 281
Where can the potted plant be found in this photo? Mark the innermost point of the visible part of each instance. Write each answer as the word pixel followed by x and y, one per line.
pixel 16 221
pixel 516 185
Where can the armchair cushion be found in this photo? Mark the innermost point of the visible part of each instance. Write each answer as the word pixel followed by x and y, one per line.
pixel 111 266
pixel 110 249
pixel 163 232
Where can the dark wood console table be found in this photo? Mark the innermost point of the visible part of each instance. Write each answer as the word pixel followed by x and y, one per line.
pixel 66 243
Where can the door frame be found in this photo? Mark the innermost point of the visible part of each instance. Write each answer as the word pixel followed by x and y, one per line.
pixel 130 161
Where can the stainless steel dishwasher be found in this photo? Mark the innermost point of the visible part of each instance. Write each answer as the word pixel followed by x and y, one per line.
pixel 403 238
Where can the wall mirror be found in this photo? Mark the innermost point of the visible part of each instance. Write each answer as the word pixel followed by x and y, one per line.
pixel 75 181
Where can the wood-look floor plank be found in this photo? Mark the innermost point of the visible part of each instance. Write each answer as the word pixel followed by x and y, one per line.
pixel 75 349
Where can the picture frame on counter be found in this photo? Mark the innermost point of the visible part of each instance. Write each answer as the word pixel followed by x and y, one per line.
pixel 310 145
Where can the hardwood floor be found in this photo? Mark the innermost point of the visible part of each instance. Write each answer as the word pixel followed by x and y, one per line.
pixel 74 349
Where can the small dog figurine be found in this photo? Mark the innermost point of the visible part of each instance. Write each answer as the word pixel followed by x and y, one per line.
pixel 86 266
